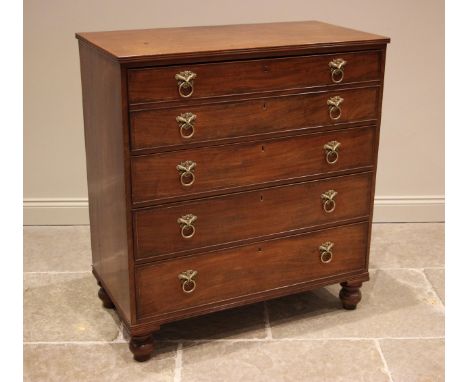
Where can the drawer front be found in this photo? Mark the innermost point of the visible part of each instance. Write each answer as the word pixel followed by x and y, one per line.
pixel 189 124
pixel 248 215
pixel 156 177
pixel 240 77
pixel 250 269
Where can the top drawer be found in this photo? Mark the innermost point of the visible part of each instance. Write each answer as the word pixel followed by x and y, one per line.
pixel 240 77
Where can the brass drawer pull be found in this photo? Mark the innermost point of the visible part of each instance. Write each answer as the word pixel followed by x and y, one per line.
pixel 334 108
pixel 186 169
pixel 337 69
pixel 328 201
pixel 326 253
pixel 185 82
pixel 186 123
pixel 187 280
pixel 331 148
pixel 187 229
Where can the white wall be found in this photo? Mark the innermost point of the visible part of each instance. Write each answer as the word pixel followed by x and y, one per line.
pixel 410 182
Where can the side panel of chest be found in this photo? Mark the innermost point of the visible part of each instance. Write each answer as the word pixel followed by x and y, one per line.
pixel 106 158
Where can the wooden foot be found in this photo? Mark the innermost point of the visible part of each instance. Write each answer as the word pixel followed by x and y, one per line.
pixel 350 294
pixel 106 301
pixel 142 347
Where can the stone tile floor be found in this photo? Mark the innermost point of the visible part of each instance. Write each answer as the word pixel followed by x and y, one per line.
pixel 396 333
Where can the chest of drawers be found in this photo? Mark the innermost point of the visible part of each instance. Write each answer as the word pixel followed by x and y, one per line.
pixel 228 165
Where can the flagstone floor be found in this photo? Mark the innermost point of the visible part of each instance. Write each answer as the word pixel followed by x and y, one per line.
pixel 396 333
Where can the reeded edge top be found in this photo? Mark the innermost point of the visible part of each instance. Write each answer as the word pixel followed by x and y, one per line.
pixel 127 46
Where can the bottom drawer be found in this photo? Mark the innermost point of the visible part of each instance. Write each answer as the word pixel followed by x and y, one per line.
pixel 237 272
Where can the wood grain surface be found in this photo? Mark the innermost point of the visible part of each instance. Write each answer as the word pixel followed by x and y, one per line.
pixel 223 169
pixel 249 76
pixel 262 119
pixel 146 44
pixel 249 215
pixel 249 269
pixel 105 158
pixel 152 130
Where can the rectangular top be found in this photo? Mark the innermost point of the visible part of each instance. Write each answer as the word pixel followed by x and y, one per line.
pixel 146 44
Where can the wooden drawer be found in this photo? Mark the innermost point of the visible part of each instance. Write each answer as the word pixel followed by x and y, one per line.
pixel 248 215
pixel 156 129
pixel 252 76
pixel 240 272
pixel 155 177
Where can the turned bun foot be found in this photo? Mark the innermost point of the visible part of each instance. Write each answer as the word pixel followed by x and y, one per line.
pixel 106 301
pixel 350 294
pixel 142 347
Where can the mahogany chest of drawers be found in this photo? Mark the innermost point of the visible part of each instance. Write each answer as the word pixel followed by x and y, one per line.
pixel 228 165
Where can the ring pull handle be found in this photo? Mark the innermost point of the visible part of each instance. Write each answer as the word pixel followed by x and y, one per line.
pixel 187 229
pixel 186 170
pixel 334 107
pixel 186 123
pixel 326 253
pixel 185 82
pixel 187 280
pixel 328 201
pixel 337 69
pixel 331 149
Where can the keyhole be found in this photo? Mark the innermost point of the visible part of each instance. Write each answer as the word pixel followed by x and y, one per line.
pixel 259 249
pixel 264 105
pixel 261 198
pixel 263 148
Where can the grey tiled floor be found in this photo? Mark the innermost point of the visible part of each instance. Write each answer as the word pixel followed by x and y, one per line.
pixel 396 334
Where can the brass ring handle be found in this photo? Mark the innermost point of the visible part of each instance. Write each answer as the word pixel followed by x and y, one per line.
pixel 187 229
pixel 328 201
pixel 191 130
pixel 326 253
pixel 337 69
pixel 334 107
pixel 185 82
pixel 190 176
pixel 191 289
pixel 188 283
pixel 337 75
pixel 186 170
pixel 186 123
pixel 331 149
pixel 332 157
pixel 329 206
pixel 335 113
